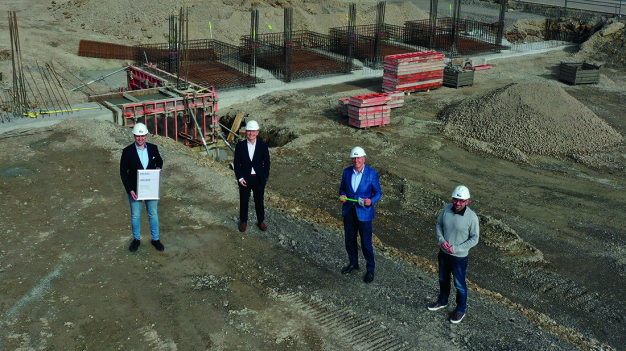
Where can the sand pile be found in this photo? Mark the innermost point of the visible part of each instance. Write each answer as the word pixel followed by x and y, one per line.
pixel 527 118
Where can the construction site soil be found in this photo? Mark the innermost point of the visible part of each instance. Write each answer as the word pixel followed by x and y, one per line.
pixel 548 273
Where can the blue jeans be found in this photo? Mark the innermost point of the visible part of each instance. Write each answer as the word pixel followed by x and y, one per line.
pixel 457 266
pixel 135 217
pixel 352 226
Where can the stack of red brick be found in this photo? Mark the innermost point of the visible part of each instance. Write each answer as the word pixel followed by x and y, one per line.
pixel 371 109
pixel 415 71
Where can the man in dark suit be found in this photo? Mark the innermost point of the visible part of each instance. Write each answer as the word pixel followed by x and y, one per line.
pixel 137 156
pixel 359 191
pixel 252 168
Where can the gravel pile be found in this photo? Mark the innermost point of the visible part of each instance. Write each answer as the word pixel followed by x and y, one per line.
pixel 527 118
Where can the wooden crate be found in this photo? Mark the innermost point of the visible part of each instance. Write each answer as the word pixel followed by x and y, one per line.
pixel 579 73
pixel 456 79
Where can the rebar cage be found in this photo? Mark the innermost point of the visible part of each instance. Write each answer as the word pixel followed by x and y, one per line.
pixel 371 42
pixel 471 37
pixel 309 53
pixel 206 62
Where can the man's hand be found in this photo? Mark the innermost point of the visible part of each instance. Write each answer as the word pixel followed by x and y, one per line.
pixel 132 193
pixel 367 202
pixel 342 198
pixel 243 182
pixel 447 247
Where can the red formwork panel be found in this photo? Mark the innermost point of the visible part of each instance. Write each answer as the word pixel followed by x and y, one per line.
pixel 167 115
pixel 343 106
pixel 369 100
pixel 139 79
pixel 366 123
pixel 361 113
pixel 411 57
pixel 410 78
pixel 429 85
pixel 171 117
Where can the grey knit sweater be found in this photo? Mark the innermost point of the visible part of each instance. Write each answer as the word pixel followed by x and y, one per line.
pixel 460 231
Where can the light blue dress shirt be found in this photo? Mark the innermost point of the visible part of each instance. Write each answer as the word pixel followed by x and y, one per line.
pixel 356 178
pixel 143 155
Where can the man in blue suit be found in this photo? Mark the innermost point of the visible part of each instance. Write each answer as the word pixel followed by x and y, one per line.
pixel 137 156
pixel 252 168
pixel 359 191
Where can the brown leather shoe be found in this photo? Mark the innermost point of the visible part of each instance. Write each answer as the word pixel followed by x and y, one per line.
pixel 263 227
pixel 242 227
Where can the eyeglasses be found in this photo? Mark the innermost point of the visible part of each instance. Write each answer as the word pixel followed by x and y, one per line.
pixel 459 201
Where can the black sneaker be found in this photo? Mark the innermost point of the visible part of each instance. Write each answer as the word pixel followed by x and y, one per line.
pixel 457 317
pixel 134 245
pixel 436 306
pixel 157 245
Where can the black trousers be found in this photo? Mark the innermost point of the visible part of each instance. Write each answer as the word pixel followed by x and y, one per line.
pixel 258 189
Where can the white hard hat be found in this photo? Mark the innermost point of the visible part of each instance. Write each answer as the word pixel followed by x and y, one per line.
pixel 357 151
pixel 252 125
pixel 461 192
pixel 140 129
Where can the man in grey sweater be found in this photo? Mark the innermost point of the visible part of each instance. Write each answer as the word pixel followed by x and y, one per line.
pixel 457 232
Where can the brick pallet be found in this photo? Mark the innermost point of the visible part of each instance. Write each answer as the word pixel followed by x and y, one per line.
pixel 343 106
pixel 415 71
pixel 370 110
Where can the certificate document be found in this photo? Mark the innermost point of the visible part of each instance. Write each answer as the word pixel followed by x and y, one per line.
pixel 148 181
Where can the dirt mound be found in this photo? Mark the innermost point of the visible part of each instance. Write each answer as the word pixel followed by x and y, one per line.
pixel 527 118
pixel 606 45
pixel 146 21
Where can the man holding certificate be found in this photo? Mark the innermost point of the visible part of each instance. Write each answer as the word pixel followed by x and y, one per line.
pixel 139 160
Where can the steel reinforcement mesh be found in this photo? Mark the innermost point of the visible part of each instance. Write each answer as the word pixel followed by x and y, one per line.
pixel 90 48
pixel 371 42
pixel 309 53
pixel 208 62
pixel 466 38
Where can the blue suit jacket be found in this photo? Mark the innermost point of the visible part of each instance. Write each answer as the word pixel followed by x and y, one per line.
pixel 260 161
pixel 368 188
pixel 130 163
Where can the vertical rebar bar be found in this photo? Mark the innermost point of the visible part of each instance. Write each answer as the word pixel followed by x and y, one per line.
pixel 172 55
pixel 434 4
pixel 20 101
pixel 380 25
pixel 288 44
pixel 456 11
pixel 351 35
pixel 500 33
pixel 186 57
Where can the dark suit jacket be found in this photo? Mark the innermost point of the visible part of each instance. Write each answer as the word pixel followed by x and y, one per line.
pixel 130 163
pixel 260 161
pixel 369 188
